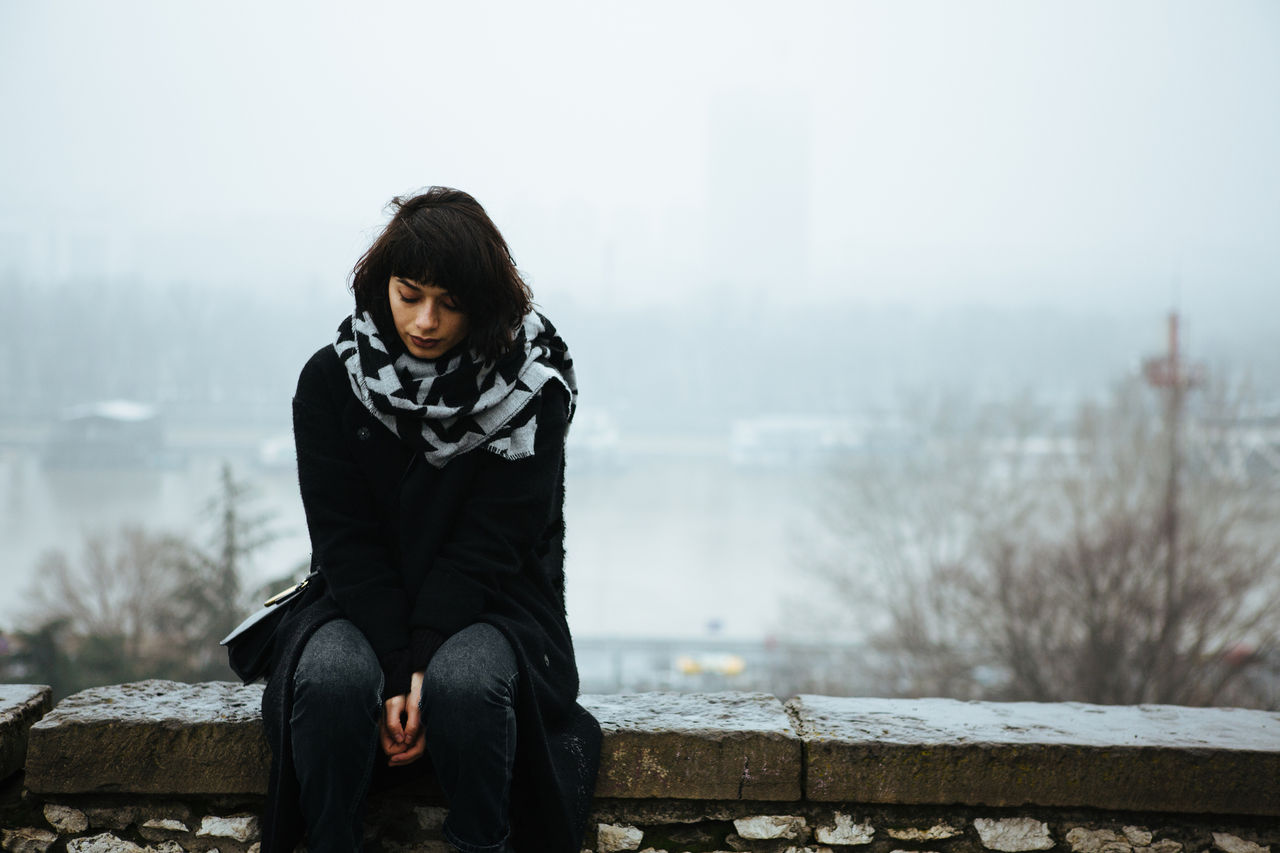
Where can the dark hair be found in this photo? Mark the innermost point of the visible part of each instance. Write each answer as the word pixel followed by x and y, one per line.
pixel 443 237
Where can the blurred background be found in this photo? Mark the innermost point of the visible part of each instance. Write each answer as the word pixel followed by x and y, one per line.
pixel 924 347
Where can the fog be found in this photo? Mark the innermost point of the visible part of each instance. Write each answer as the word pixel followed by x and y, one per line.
pixel 732 210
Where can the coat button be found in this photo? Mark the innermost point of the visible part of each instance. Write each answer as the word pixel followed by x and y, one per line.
pixel 546 661
pixel 364 433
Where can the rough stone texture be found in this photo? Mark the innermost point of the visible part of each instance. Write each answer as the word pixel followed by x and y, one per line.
pixel 166 823
pixel 1234 844
pixel 1138 836
pixel 652 812
pixel 789 827
pixel 611 838
pixel 21 705
pixel 937 832
pixel 240 827
pixel 845 831
pixel 430 817
pixel 1095 840
pixel 165 847
pixel 153 737
pixel 1160 758
pixel 716 746
pixel 1013 834
pixel 66 819
pixel 1166 845
pixel 104 843
pixel 29 839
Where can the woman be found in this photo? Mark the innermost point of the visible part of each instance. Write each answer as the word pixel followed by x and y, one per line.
pixel 430 441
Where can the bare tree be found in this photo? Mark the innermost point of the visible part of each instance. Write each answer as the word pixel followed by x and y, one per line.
pixel 115 608
pixel 1010 560
pixel 211 598
pixel 141 604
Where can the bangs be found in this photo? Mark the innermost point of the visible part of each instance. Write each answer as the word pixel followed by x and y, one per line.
pixel 444 238
pixel 409 256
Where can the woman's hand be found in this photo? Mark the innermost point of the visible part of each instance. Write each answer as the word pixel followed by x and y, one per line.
pixel 400 728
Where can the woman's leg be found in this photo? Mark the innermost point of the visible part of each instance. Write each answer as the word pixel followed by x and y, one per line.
pixel 468 715
pixel 337 699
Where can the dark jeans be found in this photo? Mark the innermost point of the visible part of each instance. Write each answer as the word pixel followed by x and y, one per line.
pixel 468 720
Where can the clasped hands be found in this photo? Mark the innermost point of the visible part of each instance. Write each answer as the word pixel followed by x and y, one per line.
pixel 400 729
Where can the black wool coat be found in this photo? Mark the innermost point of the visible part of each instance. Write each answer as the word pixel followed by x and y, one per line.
pixel 411 554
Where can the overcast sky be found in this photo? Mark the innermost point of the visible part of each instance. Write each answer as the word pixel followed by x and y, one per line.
pixel 1057 153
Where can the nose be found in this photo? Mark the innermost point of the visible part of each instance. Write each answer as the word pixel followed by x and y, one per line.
pixel 427 316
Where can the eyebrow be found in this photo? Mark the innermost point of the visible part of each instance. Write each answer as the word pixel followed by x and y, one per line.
pixel 407 282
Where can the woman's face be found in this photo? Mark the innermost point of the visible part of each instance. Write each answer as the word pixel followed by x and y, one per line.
pixel 426 317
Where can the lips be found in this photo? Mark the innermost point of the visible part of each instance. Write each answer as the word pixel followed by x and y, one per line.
pixel 424 343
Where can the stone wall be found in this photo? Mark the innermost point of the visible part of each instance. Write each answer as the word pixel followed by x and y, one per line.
pixel 166 767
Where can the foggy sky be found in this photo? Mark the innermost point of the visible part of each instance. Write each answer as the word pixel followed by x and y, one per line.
pixel 1121 155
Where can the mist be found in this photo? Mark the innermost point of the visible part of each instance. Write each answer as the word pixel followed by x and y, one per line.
pixel 732 210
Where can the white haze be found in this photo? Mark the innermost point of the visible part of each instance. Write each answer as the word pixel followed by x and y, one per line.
pixel 730 208
pixel 1010 153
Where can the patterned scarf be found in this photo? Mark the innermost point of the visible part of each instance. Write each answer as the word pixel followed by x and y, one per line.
pixel 448 405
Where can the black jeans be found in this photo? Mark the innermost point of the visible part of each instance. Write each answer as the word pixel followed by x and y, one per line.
pixel 468 719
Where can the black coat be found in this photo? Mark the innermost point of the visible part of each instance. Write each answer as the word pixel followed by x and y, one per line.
pixel 411 554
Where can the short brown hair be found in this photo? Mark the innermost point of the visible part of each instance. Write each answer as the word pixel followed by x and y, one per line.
pixel 443 237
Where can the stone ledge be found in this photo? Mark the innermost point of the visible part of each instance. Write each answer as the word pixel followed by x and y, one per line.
pixel 152 737
pixel 164 737
pixel 171 739
pixel 709 746
pixel 21 705
pixel 1158 758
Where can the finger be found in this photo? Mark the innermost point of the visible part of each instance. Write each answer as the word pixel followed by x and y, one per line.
pixel 412 722
pixel 410 755
pixel 412 708
pixel 384 737
pixel 394 711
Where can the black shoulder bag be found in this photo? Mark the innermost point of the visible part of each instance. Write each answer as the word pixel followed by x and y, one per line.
pixel 249 645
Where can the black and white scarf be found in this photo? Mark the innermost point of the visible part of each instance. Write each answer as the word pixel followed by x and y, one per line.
pixel 449 405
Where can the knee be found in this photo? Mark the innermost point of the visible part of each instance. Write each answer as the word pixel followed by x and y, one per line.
pixel 474 669
pixel 338 668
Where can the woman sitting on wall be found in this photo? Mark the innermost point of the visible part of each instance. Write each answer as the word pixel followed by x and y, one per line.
pixel 430 440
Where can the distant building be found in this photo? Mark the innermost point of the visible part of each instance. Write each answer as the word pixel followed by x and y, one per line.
pixel 111 433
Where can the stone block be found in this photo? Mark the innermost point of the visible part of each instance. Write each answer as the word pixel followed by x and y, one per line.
pixel 1157 758
pixel 845 831
pixel 715 746
pixel 239 827
pixel 1092 840
pixel 1013 834
pixel 937 832
pixel 104 843
pixel 762 827
pixel 1229 843
pixel 152 737
pixel 611 838
pixel 1138 836
pixel 28 839
pixel 66 819
pixel 21 705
